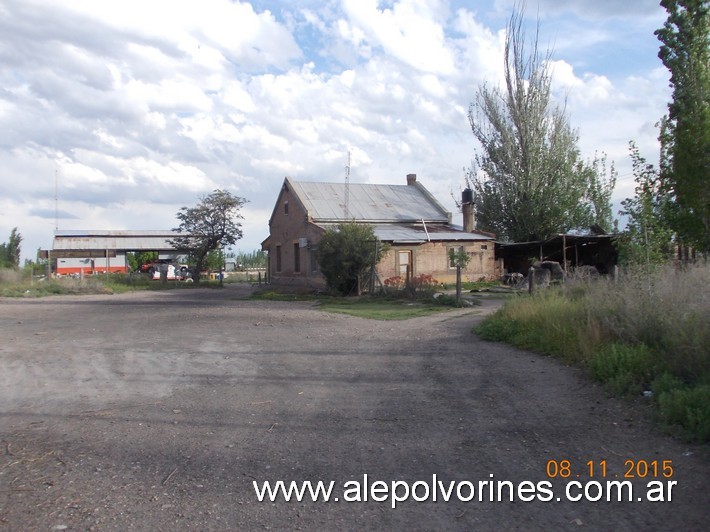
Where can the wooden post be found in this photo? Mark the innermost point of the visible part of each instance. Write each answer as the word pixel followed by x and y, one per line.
pixel 373 269
pixel 564 253
pixel 458 285
pixel 531 279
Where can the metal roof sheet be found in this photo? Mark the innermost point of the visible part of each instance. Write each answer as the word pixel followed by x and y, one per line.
pixel 115 240
pixel 416 234
pixel 369 203
pixel 169 233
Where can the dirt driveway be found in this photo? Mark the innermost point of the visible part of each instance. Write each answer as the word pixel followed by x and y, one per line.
pixel 158 411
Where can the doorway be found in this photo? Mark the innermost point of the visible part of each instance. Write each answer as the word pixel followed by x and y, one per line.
pixel 404 261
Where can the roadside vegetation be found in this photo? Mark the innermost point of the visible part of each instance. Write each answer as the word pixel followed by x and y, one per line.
pixel 383 307
pixel 22 283
pixel 400 301
pixel 646 334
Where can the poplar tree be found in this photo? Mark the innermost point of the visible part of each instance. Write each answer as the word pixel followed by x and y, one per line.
pixel 529 181
pixel 685 131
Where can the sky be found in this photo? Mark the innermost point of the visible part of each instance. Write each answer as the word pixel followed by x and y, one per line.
pixel 114 115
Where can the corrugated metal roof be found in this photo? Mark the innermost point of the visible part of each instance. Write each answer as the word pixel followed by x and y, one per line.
pixel 114 240
pixel 415 233
pixel 168 233
pixel 369 203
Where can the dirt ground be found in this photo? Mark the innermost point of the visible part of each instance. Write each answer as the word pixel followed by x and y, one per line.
pixel 158 411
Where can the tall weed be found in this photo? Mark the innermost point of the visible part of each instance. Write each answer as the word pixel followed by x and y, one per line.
pixel 647 329
pixel 667 310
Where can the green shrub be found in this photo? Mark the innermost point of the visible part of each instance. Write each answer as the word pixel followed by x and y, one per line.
pixel 665 382
pixel 624 369
pixel 498 330
pixel 688 408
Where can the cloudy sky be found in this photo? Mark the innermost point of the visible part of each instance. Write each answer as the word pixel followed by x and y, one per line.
pixel 125 111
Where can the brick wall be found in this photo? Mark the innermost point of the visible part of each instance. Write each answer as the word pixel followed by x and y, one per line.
pixel 288 225
pixel 432 258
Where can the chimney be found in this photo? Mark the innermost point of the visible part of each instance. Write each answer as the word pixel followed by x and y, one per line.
pixel 411 179
pixel 469 218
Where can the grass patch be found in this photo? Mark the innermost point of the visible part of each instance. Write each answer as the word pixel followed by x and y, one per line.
pixel 649 331
pixel 478 285
pixel 381 309
pixel 547 322
pixel 625 369
pixel 374 308
pixel 271 295
pixel 687 408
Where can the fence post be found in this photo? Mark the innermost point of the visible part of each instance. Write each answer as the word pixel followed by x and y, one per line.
pixel 531 279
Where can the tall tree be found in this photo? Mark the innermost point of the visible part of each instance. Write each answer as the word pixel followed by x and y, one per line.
pixel 685 132
pixel 10 250
pixel 647 238
pixel 529 181
pixel 210 225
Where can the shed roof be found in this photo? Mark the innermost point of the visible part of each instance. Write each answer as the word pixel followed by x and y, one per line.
pixel 79 240
pixel 325 202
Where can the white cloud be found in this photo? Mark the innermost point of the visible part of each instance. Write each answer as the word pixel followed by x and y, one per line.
pixel 139 113
pixel 412 32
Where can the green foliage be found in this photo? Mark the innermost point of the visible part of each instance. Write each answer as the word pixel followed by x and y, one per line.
pixel 214 260
pixel 346 253
pixel 625 369
pixel 664 383
pixel 547 322
pixel 272 295
pixel 685 51
pixel 135 260
pixel 459 257
pixel 478 286
pixel 10 251
pixel 382 309
pixel 211 225
pixel 600 187
pixel 529 181
pixel 647 238
pixel 251 259
pixel 688 408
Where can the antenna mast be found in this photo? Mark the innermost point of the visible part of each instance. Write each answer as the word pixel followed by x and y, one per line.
pixel 347 190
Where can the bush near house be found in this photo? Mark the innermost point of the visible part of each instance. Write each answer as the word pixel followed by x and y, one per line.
pixel 649 332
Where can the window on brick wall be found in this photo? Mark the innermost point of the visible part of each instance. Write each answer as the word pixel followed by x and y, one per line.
pixel 278 258
pixel 296 257
pixel 286 208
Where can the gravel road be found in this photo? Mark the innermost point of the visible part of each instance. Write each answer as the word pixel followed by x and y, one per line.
pixel 159 411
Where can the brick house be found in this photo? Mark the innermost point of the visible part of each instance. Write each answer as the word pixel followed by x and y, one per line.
pixel 417 227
